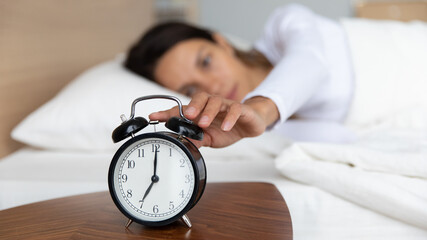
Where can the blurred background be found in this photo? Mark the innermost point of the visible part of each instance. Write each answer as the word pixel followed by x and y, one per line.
pixel 45 44
pixel 245 18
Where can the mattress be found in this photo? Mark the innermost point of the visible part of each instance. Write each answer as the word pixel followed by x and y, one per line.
pixel 31 175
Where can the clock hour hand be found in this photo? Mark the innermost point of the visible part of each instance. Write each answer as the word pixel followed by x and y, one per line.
pixel 154 179
pixel 147 191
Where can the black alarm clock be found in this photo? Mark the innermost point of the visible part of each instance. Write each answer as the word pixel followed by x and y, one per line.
pixel 156 178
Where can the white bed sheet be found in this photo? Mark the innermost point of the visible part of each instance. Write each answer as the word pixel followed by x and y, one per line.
pixel 31 175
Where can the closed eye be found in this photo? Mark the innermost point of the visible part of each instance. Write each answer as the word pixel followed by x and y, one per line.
pixel 203 59
pixel 206 61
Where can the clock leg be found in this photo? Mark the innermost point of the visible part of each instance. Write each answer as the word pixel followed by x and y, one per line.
pixel 129 223
pixel 186 220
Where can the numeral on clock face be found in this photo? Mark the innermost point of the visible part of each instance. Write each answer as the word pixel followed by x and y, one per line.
pixel 141 152
pixel 155 147
pixel 131 164
pixel 124 178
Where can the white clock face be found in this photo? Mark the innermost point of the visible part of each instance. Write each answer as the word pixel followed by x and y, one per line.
pixel 153 179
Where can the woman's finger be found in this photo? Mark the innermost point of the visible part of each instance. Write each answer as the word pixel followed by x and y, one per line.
pixel 211 109
pixel 163 116
pixel 234 113
pixel 196 105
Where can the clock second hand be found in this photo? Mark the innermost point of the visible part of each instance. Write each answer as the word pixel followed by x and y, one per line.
pixel 154 178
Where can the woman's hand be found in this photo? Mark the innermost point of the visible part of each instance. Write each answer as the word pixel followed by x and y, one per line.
pixel 224 121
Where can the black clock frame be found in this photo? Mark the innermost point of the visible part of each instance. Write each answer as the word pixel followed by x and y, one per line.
pixel 197 163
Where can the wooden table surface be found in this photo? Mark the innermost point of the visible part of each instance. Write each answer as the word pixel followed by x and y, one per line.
pixel 225 211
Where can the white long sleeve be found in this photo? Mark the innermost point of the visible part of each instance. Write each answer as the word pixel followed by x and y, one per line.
pixel 302 81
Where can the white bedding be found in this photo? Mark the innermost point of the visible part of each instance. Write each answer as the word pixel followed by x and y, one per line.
pixel 386 173
pixel 389 60
pixel 31 175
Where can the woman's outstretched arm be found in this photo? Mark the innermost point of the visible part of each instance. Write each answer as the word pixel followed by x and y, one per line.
pixel 224 121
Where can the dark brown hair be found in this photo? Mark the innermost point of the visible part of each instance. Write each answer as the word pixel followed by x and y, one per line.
pixel 144 55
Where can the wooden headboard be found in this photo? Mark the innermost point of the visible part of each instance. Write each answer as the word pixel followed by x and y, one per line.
pixel 46 43
pixel 402 10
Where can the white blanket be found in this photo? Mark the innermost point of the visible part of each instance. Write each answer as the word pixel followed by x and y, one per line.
pixel 387 175
pixel 385 170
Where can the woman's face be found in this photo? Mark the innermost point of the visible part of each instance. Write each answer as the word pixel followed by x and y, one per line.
pixel 200 65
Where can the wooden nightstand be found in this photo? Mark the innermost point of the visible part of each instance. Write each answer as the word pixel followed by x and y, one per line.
pixel 226 211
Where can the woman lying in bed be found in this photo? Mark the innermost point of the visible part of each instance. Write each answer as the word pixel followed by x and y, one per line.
pixel 299 68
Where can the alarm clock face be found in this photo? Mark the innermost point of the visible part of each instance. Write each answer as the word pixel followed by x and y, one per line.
pixel 152 179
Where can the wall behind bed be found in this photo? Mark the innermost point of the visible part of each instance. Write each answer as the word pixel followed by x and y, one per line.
pixel 46 43
pixel 246 18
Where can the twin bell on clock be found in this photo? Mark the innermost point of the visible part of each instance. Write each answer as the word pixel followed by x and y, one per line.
pixel 155 178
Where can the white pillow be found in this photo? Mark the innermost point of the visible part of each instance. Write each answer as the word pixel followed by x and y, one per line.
pixel 84 114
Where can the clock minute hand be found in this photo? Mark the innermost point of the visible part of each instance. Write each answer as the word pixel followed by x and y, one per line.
pixel 155 162
pixel 154 178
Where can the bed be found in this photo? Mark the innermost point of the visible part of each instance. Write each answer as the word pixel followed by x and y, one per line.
pixel 332 191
